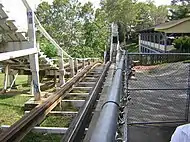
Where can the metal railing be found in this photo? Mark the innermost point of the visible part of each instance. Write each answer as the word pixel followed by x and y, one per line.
pixel 106 126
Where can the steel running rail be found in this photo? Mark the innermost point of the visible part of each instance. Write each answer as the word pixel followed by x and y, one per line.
pixel 23 126
pixel 106 127
pixel 77 127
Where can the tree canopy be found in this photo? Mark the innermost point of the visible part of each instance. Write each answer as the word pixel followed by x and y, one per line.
pixel 79 29
pixel 83 31
pixel 179 9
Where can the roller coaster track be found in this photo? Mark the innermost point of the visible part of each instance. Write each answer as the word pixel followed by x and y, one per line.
pixel 76 130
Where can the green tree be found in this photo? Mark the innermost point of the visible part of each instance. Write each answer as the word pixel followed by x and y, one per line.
pixel 179 9
pixel 79 29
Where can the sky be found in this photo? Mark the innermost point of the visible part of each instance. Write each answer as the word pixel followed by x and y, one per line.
pixel 17 11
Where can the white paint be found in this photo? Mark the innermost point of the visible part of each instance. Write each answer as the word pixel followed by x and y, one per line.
pixel 16 11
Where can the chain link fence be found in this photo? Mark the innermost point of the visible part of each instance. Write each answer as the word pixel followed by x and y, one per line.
pixel 158 85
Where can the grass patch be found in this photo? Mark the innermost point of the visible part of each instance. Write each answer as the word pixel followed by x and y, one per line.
pixel 11 108
pixel 75 97
pixel 66 106
pixel 1 80
pixel 56 121
pixel 79 91
pixel 21 82
pixel 186 61
pixel 36 137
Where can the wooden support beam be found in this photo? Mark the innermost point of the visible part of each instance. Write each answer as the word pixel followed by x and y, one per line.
pixel 49 130
pixel 34 62
pixel 76 65
pixel 6 78
pixel 71 62
pixel 61 70
pixel 16 54
pixel 60 113
pixel 140 43
pixel 83 63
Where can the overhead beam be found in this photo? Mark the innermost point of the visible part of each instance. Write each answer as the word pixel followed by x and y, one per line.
pixel 16 54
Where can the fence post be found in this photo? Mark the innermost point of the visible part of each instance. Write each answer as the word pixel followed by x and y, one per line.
pixel 76 65
pixel 61 69
pixel 83 63
pixel 6 78
pixel 71 63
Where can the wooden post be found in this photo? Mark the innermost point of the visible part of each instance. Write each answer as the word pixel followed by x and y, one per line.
pixel 76 66
pixel 140 43
pixel 159 40
pixel 165 42
pixel 29 79
pixel 61 69
pixel 34 63
pixel 154 39
pixel 12 84
pixel 12 78
pixel 83 63
pixel 6 78
pixel 71 62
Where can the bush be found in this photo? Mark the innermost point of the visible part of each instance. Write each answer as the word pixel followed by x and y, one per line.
pixel 48 49
pixel 182 44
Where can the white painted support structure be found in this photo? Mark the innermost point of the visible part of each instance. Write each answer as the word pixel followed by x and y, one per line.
pixel 61 70
pixel 113 47
pixel 6 78
pixel 83 64
pixel 60 113
pixel 34 61
pixel 12 80
pixel 71 62
pixel 49 130
pixel 19 53
pixel 118 55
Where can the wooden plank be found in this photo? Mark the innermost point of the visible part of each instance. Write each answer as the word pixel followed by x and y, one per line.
pixel 13 37
pixel 49 130
pixel 3 13
pixel 5 27
pixel 60 113
pixel 15 54
pixel 21 36
pixel 12 25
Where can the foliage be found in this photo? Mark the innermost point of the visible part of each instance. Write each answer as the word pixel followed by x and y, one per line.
pixel 179 9
pixel 83 31
pixel 48 48
pixel 134 16
pixel 182 44
pixel 148 14
pixel 79 29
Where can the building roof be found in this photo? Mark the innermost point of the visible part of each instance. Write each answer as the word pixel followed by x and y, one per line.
pixel 175 26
